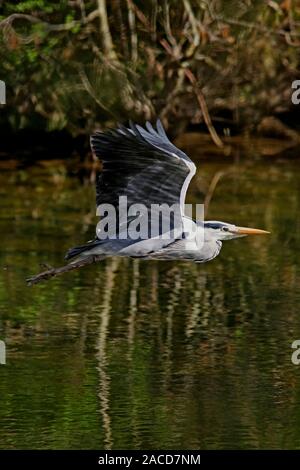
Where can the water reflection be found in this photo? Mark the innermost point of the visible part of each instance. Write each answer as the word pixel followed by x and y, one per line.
pixel 104 389
pixel 135 354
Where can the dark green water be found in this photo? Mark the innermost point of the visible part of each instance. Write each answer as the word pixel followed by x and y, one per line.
pixel 142 355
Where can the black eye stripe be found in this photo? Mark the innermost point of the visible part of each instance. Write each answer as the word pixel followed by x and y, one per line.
pixel 216 226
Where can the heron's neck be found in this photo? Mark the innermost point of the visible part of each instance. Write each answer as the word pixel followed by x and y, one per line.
pixel 211 248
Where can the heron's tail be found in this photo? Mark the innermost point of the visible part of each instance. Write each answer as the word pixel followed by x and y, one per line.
pixel 82 250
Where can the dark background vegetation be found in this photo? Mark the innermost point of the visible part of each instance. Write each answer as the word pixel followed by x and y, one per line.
pixel 74 66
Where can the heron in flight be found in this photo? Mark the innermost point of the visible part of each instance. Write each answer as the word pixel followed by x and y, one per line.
pixel 143 165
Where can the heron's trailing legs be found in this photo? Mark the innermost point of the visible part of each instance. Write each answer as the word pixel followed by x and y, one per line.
pixel 53 272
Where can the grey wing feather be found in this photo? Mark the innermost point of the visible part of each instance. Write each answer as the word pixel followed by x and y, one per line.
pixel 143 165
pixel 140 164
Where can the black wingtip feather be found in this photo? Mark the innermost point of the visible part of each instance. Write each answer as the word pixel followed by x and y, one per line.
pixel 73 252
pixel 77 250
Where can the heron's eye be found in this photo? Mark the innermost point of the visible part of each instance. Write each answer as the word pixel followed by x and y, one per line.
pixel 225 229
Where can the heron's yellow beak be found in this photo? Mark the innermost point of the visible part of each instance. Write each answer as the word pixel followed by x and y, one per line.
pixel 250 231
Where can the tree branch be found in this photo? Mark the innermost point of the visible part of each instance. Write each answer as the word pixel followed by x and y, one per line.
pixel 255 26
pixel 105 31
pixel 48 27
pixel 202 103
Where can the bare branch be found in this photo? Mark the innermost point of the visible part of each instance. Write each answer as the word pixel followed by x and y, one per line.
pixel 133 35
pixel 255 26
pixel 204 109
pixel 105 31
pixel 193 22
pixel 88 87
pixel 48 27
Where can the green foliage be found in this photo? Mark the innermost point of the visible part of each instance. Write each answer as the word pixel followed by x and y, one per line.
pixel 64 64
pixel 33 5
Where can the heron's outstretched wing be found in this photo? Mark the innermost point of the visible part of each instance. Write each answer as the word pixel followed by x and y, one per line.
pixel 141 164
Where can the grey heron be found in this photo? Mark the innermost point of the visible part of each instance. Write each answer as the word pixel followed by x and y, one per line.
pixel 143 165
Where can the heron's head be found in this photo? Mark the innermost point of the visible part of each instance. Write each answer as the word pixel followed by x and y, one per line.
pixel 223 231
